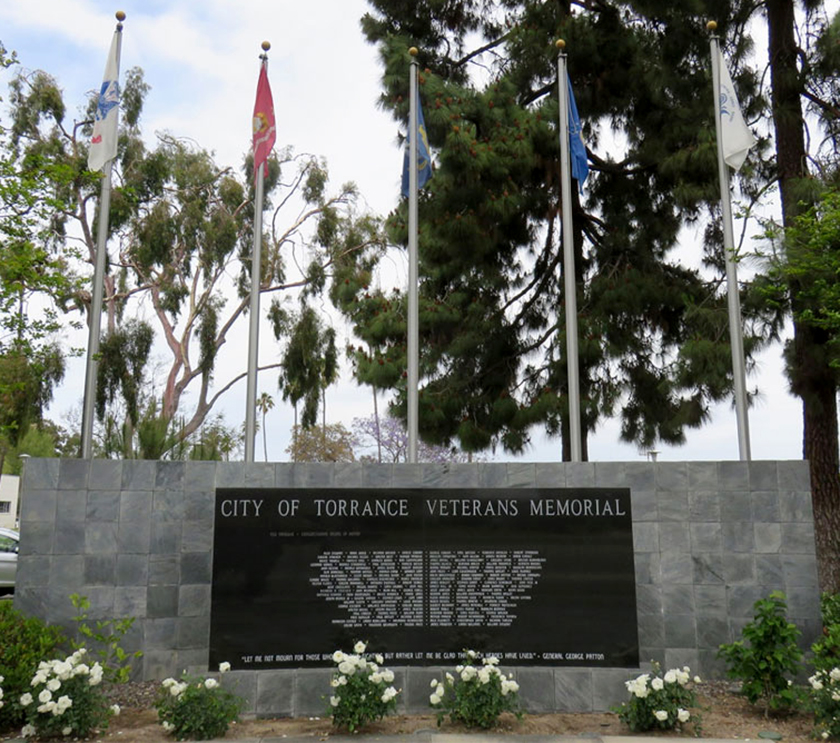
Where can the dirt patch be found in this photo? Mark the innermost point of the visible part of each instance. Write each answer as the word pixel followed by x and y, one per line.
pixel 724 713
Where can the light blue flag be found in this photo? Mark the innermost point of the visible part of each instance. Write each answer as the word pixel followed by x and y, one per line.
pixel 577 150
pixel 424 159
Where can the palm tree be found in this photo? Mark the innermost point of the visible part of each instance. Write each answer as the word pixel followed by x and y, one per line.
pixel 264 404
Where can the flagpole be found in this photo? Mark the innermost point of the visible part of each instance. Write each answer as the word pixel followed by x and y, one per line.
pixel 736 340
pixel 95 324
pixel 413 310
pixel 570 288
pixel 254 310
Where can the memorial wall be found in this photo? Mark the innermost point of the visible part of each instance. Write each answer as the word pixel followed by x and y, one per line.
pixel 575 575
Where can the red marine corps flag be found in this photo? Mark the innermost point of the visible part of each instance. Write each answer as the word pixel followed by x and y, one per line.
pixel 265 132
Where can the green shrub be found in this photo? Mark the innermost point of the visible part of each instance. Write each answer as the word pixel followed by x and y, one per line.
pixel 24 642
pixel 660 702
pixel 362 690
pixel 64 699
pixel 477 695
pixel 827 649
pixel 766 655
pixel 197 708
pixel 104 638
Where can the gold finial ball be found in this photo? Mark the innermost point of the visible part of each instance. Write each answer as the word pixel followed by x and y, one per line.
pixel 413 51
pixel 560 44
pixel 712 25
pixel 120 16
pixel 265 46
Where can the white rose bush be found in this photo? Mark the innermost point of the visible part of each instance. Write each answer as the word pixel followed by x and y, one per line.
pixel 660 702
pixel 361 691
pixel 476 695
pixel 65 699
pixel 825 701
pixel 197 708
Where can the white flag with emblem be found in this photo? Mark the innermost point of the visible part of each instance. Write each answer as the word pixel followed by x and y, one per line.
pixel 736 137
pixel 103 143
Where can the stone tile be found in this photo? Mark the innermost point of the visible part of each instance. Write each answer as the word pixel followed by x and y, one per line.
pixel 672 505
pixel 195 661
pixel 798 538
pixel 734 476
pixel 800 571
pixel 101 600
pixel 70 505
pixel 548 475
pixel 640 476
pixel 674 536
pixel 704 506
pixel 199 505
pixel 408 475
pixel 417 686
pixel 34 571
pixel 646 537
pixel 196 567
pixel 739 568
pixel 194 601
pixel 705 537
pixel 768 538
pixel 536 689
pixel 710 600
pixel 105 474
pixel 681 657
pixel 169 476
pixel 310 687
pixel 768 570
pixel 735 505
pixel 677 599
pixel 708 568
pixel 100 537
pixel 648 599
pixel 794 475
pixel 199 476
pixel 168 505
pixel 243 684
pixel 138 474
pixel 66 572
pixel 259 475
pixel 460 475
pixel 643 505
pixel 494 475
pixel 132 570
pixel 134 537
pixel 103 505
pixel 608 687
pixel 795 506
pixel 135 505
pixel 676 568
pixel 40 474
pixel 36 538
pixel 161 634
pixel 709 665
pixel 765 506
pixel 317 475
pixel 680 631
pixel 802 602
pixel 166 537
pixel 741 600
pixel 647 568
pixel 346 475
pixel 38 505
pixel 197 536
pixel 232 474
pixel 573 689
pixel 763 476
pixel 380 475
pixel 610 475
pixel 703 476
pixel 164 570
pixel 73 474
pixel 130 601
pixel 738 536
pixel 161 601
pixel 524 475
pixel 580 474
pixel 651 631
pixel 70 538
pixel 671 476
pixel 193 632
pixel 161 664
pixel 100 570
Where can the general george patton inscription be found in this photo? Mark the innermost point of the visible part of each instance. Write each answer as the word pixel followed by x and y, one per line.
pixel 536 577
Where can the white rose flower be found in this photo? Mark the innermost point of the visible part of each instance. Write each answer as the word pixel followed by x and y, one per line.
pixel 471 654
pixel 641 691
pixel 25 699
pixel 491 661
pixel 210 683
pixel 66 731
pixel 115 710
pixel 167 726
pixel 824 735
pixel 347 667
pixel 379 659
pixel 39 678
pixel 342 680
pixel 683 715
pixel 334 701
pixel 389 694
pixel 166 683
pixel 224 667
pixel 834 673
pixel 434 699
pixel 388 676
pixel 661 715
pixel 65 702
pixel 338 656
pixel 27 731
pixel 670 677
pixel 816 685
pixel 697 680
pixel 334 683
pixel 657 684
pixel 53 684
pixel 433 683
pixel 359 647
pixel 484 676
pixel 450 679
pixel 45 696
pixel 375 677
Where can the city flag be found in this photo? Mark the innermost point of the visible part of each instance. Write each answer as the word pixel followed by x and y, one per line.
pixel 265 133
pixel 577 149
pixel 736 137
pixel 103 143
pixel 424 159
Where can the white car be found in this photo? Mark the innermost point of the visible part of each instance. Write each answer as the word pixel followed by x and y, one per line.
pixel 9 540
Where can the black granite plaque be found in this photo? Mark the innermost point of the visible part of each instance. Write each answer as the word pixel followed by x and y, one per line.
pixel 536 577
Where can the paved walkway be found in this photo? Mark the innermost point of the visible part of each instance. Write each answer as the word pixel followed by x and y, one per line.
pixel 424 736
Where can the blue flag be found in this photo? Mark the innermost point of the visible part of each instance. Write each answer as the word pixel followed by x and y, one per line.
pixel 424 159
pixel 577 150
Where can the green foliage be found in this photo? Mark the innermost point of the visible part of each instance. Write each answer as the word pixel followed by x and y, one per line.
pixel 361 690
pixel 824 698
pixel 827 649
pixel 197 708
pixel 766 656
pixel 106 637
pixel 477 695
pixel 26 641
pixel 660 702
pixel 64 699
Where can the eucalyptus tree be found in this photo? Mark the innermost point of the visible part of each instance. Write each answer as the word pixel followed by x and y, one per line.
pixel 653 337
pixel 179 251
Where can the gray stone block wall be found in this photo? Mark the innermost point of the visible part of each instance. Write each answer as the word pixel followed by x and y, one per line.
pixel 136 538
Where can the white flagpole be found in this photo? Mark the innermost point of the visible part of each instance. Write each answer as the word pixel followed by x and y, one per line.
pixel 413 308
pixel 570 288
pixel 254 309
pixel 95 324
pixel 735 330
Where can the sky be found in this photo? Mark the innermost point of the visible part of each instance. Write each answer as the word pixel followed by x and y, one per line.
pixel 201 59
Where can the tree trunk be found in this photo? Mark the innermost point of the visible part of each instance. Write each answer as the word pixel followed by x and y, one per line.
pixel 811 377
